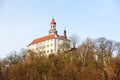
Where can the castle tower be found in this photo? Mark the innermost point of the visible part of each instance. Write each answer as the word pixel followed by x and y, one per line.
pixel 65 34
pixel 53 27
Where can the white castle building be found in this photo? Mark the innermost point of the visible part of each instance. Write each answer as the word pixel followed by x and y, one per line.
pixel 50 43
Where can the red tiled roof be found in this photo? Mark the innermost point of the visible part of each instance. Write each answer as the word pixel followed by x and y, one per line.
pixel 60 36
pixel 51 36
pixel 43 38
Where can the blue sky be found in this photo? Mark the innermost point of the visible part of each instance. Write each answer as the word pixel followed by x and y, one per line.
pixel 21 21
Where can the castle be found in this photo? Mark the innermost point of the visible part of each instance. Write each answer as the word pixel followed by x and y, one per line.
pixel 51 43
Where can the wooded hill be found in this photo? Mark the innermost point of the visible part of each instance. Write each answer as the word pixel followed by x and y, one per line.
pixel 77 64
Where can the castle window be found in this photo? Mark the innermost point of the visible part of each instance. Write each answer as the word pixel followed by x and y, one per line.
pixel 44 51
pixel 58 40
pixel 51 50
pixel 43 46
pixel 58 50
pixel 51 44
pixel 47 51
pixel 48 45
pixel 58 45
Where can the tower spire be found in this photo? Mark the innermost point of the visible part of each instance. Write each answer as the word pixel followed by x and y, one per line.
pixel 53 27
pixel 65 33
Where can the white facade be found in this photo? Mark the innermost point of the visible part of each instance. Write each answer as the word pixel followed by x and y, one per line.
pixel 47 46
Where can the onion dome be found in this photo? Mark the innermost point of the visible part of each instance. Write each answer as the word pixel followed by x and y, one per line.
pixel 53 21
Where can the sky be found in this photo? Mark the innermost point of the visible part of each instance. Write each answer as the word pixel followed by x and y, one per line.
pixel 21 21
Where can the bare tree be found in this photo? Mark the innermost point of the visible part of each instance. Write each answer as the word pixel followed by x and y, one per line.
pixel 40 50
pixel 117 48
pixel 84 49
pixel 22 53
pixel 74 38
pixel 104 48
pixel 1 69
pixel 65 46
